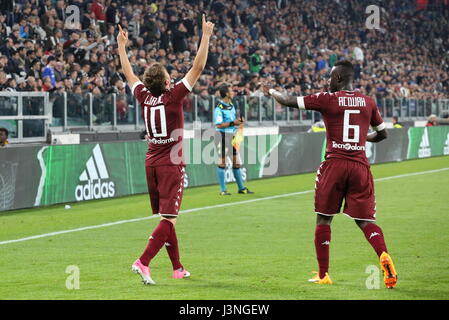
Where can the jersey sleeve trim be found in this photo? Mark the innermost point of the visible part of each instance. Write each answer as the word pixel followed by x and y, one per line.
pixel 135 86
pixel 187 84
pixel 380 127
pixel 300 101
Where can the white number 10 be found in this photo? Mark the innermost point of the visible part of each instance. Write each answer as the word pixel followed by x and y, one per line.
pixel 162 121
pixel 347 127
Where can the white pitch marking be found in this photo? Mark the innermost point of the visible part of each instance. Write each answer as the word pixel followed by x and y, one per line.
pixel 223 205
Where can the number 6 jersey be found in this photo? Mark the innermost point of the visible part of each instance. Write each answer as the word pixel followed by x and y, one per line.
pixel 347 116
pixel 164 122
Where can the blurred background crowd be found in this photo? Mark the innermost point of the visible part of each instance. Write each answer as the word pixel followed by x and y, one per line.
pixel 44 47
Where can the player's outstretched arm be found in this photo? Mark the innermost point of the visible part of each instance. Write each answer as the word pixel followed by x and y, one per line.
pixel 122 40
pixel 377 136
pixel 201 57
pixel 283 98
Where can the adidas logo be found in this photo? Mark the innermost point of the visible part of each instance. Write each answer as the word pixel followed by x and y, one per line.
pixel 92 185
pixel 374 234
pixel 424 146
pixel 446 145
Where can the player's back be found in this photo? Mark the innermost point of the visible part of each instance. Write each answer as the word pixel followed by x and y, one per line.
pixel 164 122
pixel 347 116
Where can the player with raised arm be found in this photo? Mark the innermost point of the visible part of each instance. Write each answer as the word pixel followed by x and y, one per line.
pixel 164 123
pixel 345 173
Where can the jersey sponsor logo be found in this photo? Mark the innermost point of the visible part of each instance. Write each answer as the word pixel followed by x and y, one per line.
pixel 446 145
pixel 351 102
pixel 161 141
pixel 424 146
pixel 347 146
pixel 92 179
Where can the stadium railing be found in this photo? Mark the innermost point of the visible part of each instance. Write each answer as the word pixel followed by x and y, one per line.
pixel 29 115
pixel 26 115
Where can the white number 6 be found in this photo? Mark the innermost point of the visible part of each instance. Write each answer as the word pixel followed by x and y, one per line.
pixel 347 127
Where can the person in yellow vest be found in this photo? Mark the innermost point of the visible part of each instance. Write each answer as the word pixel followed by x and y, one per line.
pixel 4 137
pixel 396 123
pixel 318 126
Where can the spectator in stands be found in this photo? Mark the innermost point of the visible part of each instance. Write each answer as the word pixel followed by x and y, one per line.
pixel 289 42
pixel 49 71
pixel 318 126
pixel 4 137
pixel 432 121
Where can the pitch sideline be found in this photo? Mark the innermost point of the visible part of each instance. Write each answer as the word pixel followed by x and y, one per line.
pixel 203 208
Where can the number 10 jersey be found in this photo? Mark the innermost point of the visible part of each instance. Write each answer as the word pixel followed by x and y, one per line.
pixel 164 122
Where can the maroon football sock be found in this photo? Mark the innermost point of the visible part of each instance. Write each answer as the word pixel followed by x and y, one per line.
pixel 173 250
pixel 373 233
pixel 322 243
pixel 157 240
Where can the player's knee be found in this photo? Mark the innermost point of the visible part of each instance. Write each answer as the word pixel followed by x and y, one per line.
pixel 171 219
pixel 362 224
pixel 221 166
pixel 322 219
pixel 236 166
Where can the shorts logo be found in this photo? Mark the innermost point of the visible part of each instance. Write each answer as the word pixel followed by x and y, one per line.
pixel 92 184
pixel 347 146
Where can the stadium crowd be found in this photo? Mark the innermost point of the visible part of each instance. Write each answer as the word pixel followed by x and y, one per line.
pixel 44 48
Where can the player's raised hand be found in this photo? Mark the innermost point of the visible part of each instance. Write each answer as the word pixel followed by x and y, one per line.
pixel 122 37
pixel 208 27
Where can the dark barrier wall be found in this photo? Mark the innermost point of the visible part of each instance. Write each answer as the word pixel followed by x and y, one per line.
pixel 45 175
pixel 19 177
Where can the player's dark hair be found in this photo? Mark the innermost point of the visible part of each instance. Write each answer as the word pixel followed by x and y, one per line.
pixel 345 70
pixel 5 131
pixel 154 79
pixel 224 89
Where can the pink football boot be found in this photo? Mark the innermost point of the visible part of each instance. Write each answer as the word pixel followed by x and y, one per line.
pixel 181 273
pixel 143 271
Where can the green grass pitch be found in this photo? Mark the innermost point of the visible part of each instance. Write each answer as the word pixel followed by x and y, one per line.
pixel 256 250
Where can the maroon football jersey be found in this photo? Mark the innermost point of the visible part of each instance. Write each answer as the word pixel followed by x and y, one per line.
pixel 164 122
pixel 347 116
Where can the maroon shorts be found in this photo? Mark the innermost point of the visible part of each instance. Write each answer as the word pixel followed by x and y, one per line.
pixel 339 179
pixel 165 186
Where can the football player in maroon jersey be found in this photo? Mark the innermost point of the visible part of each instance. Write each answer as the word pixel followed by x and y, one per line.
pixel 345 173
pixel 164 122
